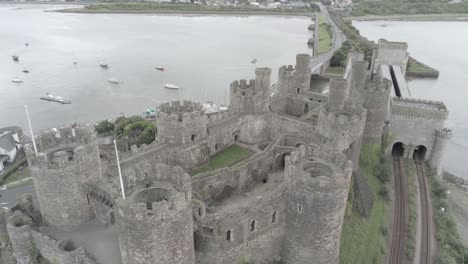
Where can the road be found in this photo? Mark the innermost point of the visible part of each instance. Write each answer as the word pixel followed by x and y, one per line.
pixel 338 39
pixel 8 198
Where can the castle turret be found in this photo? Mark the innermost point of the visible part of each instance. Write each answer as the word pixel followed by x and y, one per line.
pixel 181 122
pixel 18 227
pixel 315 208
pixel 337 95
pixel 155 223
pixel 442 138
pixel 67 158
pixel 252 97
pixel 377 104
pixel 357 80
pixel 295 80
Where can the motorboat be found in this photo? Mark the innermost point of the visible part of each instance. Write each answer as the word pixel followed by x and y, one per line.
pixel 159 68
pixel 171 86
pixel 25 70
pixel 16 80
pixel 15 58
pixel 104 66
pixel 254 61
pixel 113 80
pixel 57 99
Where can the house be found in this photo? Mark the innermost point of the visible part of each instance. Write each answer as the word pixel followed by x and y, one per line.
pixel 10 144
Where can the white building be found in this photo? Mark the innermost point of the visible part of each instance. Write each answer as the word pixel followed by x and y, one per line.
pixel 9 145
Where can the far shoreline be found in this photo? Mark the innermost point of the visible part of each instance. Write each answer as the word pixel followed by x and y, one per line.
pixel 420 17
pixel 180 12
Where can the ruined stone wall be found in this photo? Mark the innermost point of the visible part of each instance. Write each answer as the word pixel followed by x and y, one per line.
pixel 19 231
pixel 315 207
pixel 155 221
pixel 66 160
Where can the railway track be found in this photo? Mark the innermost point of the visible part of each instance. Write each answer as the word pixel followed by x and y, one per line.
pixel 400 215
pixel 426 235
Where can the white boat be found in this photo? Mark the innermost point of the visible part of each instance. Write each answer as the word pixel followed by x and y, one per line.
pixel 113 80
pixel 16 80
pixel 58 99
pixel 171 86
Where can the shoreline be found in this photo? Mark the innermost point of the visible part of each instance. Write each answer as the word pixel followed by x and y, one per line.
pixel 184 12
pixel 420 17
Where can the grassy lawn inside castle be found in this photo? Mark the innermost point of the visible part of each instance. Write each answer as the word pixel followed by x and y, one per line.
pixel 225 158
pixel 363 240
pixel 324 35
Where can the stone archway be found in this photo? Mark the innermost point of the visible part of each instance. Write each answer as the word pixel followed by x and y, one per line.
pixel 420 152
pixel 398 149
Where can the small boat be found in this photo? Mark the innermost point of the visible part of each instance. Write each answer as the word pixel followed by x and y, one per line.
pixel 16 80
pixel 171 86
pixel 15 58
pixel 104 66
pixel 159 68
pixel 25 70
pixel 26 44
pixel 58 99
pixel 113 80
pixel 75 62
pixel 254 61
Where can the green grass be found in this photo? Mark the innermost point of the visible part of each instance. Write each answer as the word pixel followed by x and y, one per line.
pixel 363 240
pixel 12 170
pixel 224 158
pixel 411 176
pixel 338 71
pixel 16 176
pixel 325 36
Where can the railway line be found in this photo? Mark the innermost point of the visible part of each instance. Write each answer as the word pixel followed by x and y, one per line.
pixel 400 215
pixel 426 216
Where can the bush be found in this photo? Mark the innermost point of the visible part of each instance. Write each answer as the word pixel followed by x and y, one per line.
pixel 105 128
pixel 135 128
pixel 384 193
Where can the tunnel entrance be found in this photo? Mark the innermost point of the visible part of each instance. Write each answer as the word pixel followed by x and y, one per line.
pixel 420 152
pixel 398 149
pixel 281 160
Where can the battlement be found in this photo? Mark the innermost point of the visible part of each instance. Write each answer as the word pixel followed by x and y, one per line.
pixel 445 134
pixel 242 87
pixel 263 71
pixel 180 111
pixel 419 108
pixel 384 44
pixel 65 136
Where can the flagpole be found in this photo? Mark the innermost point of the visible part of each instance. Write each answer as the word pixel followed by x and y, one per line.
pixel 30 129
pixel 120 172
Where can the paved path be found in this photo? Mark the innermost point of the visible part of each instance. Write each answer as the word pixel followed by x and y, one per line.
pixel 8 196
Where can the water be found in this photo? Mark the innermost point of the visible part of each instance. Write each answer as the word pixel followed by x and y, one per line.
pixel 441 45
pixel 202 54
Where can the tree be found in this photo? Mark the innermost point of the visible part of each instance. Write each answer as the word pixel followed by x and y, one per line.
pixel 104 128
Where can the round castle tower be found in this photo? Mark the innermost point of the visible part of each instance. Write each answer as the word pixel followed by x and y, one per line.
pixel 442 138
pixel 181 122
pixel 358 77
pixel 315 208
pixel 18 227
pixel 67 158
pixel 155 223
pixel 377 105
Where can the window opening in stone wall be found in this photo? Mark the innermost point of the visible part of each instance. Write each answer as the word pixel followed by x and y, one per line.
pixel 265 180
pixel 236 137
pixel 252 226
pixel 229 235
pixel 193 137
pixel 273 218
pixel 216 147
pixel 299 208
pixel 298 90
pixel 149 206
pixel 200 212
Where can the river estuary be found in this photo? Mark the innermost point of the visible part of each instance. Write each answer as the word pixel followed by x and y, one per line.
pixel 201 54
pixel 441 45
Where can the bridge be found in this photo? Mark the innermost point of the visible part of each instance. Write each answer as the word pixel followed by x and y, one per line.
pixel 319 60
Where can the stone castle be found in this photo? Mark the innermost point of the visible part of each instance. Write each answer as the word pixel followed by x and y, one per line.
pixel 285 203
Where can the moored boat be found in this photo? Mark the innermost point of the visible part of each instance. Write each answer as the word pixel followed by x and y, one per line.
pixel 16 80
pixel 113 80
pixel 57 99
pixel 15 58
pixel 171 86
pixel 159 68
pixel 104 66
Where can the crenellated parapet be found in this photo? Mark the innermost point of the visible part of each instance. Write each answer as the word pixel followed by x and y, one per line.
pixel 419 108
pixel 67 158
pixel 316 202
pixel 180 122
pixel 295 80
pixel 155 220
